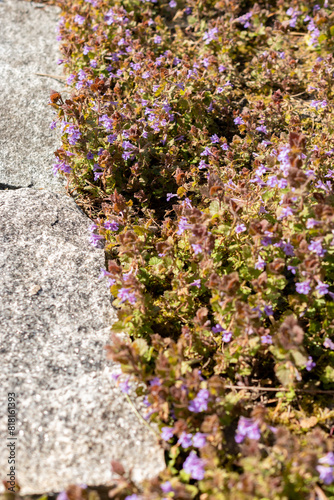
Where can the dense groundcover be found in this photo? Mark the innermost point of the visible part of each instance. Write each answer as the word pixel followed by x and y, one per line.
pixel 198 136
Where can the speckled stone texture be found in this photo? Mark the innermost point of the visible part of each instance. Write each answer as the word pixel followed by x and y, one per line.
pixel 28 46
pixel 55 317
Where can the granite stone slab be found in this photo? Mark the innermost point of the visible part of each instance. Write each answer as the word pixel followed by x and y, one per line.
pixel 28 46
pixel 55 317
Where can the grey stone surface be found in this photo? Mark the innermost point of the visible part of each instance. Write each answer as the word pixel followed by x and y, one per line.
pixel 27 46
pixel 55 317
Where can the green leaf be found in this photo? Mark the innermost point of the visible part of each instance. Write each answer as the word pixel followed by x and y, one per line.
pixel 140 230
pixel 328 376
pixel 284 374
pixel 299 358
pixel 140 346
pixel 154 261
pixel 214 207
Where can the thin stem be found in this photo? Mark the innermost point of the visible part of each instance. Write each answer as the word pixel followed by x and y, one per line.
pixel 140 417
pixel 55 77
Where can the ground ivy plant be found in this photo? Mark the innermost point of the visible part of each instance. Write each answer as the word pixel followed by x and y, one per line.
pixel 198 136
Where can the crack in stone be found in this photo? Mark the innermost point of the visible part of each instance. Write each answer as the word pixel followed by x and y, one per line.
pixel 4 186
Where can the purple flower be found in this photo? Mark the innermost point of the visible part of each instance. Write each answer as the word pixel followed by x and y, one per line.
pixel 172 4
pixel 226 337
pixel 221 89
pixel 196 283
pixel 95 239
pixel 157 39
pixel 107 122
pixel 272 181
pixel 262 128
pixel 268 310
pixel 261 170
pixel 214 138
pixel 266 339
pixel 329 343
pixel 327 459
pixel 61 165
pixel 247 428
pixel 126 294
pixel 197 248
pixel 322 288
pixel 126 155
pixel 183 225
pixel 111 138
pixel 103 273
pixel 217 328
pixel 81 74
pixel 185 440
pixel 283 158
pixel 53 124
pixel 93 63
pixel 199 440
pixel 194 466
pixel 288 249
pixel 111 225
pixel 310 364
pixel 167 433
pixel 86 49
pixel 225 146
pixel 285 212
pixel 258 311
pixel 62 496
pixel 166 487
pixel 316 247
pixel 73 135
pixel 240 228
pixel 266 241
pixel 132 497
pixel 311 223
pixel 115 376
pixel 210 35
pixel 303 287
pixel 171 195
pixel 70 79
pixel 155 381
pixel 326 474
pixel 125 386
pixel 238 120
pixel 260 264
pixel 317 104
pixel 79 19
pixel 127 145
pixel 245 19
pixel 202 165
pixel 206 152
pixel 146 402
pixel 294 14
pixel 200 402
